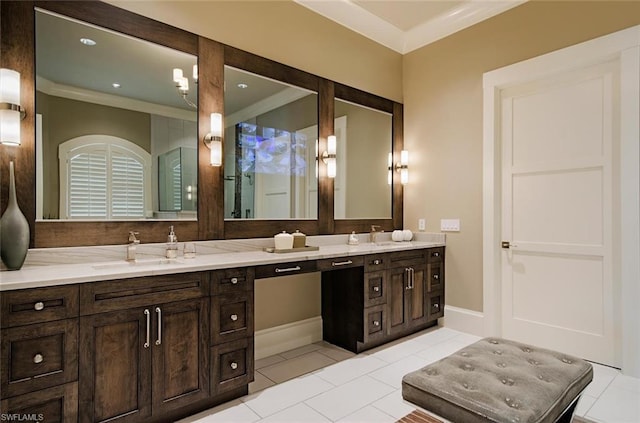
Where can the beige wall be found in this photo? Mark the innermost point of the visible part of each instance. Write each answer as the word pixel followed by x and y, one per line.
pixel 443 117
pixel 287 33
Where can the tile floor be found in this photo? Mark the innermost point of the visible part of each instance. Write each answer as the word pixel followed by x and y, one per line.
pixel 323 383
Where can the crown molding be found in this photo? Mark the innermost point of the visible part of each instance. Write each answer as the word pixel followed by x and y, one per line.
pixel 352 16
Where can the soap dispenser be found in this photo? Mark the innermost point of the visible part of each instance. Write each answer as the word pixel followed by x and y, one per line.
pixel 172 245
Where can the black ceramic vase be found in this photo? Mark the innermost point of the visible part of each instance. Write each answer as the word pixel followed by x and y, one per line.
pixel 14 230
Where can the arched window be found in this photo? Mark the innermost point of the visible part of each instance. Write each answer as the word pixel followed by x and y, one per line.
pixel 104 177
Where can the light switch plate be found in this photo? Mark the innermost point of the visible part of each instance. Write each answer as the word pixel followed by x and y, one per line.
pixel 450 225
pixel 422 224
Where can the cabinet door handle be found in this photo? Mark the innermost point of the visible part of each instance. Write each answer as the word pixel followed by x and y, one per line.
pixel 146 313
pixel 38 306
pixel 341 263
pixel 234 317
pixel 38 358
pixel 234 281
pixel 436 276
pixel 376 323
pixel 159 312
pixel 234 365
pixel 288 269
pixel 376 288
pixel 406 272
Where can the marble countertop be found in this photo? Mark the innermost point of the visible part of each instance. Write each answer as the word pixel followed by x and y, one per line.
pixel 60 266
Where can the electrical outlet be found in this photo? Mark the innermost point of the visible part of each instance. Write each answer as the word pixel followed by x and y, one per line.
pixel 450 225
pixel 422 224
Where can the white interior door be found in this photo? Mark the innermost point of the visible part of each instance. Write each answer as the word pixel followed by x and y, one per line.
pixel 558 207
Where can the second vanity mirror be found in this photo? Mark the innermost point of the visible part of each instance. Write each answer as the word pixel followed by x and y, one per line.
pixel 271 132
pixel 116 138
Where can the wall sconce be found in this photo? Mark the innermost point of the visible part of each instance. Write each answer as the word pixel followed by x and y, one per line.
pixel 213 140
pixel 329 156
pixel 182 84
pixel 11 112
pixel 402 167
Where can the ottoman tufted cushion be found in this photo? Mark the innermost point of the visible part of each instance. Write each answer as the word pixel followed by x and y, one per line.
pixel 497 380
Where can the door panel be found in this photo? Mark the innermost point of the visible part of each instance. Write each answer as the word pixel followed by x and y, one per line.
pixel 180 361
pixel 558 209
pixel 395 301
pixel 115 367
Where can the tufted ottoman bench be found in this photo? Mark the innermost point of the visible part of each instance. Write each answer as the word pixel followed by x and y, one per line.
pixel 497 380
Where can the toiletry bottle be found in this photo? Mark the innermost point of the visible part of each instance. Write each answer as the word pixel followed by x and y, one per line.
pixel 172 245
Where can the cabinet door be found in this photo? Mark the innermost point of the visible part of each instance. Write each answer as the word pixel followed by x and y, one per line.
pixel 417 295
pixel 396 300
pixel 115 366
pixel 180 362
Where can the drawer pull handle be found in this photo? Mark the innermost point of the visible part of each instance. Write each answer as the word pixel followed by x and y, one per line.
pixel 436 254
pixel 234 365
pixel 234 281
pixel 38 306
pixel 159 340
pixel 38 358
pixel 436 305
pixel 234 317
pixel 376 288
pixel 436 277
pixel 146 313
pixel 376 323
pixel 377 261
pixel 288 269
pixel 341 263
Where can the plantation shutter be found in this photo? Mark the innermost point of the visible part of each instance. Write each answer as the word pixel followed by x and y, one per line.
pixel 127 186
pixel 88 185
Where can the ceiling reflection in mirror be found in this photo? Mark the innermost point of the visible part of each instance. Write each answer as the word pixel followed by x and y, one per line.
pixel 362 188
pixel 270 148
pixel 116 137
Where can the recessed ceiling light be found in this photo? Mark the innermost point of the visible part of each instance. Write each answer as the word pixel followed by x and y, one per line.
pixel 115 85
pixel 87 41
pixel 242 85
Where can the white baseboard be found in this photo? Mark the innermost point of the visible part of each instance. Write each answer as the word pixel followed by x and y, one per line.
pixel 464 320
pixel 287 337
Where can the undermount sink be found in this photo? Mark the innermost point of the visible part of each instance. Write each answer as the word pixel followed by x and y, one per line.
pixel 136 263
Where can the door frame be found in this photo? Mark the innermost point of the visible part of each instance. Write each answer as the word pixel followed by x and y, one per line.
pixel 622 45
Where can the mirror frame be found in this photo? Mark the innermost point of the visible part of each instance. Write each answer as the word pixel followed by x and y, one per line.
pixel 17 48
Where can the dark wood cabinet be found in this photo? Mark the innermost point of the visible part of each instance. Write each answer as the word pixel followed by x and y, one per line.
pixel 142 362
pixel 397 294
pixel 58 404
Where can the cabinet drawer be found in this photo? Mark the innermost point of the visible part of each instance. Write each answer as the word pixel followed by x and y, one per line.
pixel 27 306
pixel 435 276
pixel 435 305
pixel 228 281
pixel 39 356
pixel 375 262
pixel 435 254
pixel 340 263
pixel 58 404
pixel 99 297
pixel 375 323
pixel 407 258
pixel 284 269
pixel 375 290
pixel 232 365
pixel 231 317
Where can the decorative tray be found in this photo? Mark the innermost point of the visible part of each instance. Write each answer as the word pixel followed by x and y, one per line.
pixel 292 250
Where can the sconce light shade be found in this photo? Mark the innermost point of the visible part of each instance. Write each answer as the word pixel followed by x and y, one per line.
pixel 10 110
pixel 404 167
pixel 195 73
pixel 177 75
pixel 329 156
pixel 213 139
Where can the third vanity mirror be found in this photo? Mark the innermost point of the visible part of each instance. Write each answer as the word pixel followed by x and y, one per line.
pixel 116 126
pixel 270 148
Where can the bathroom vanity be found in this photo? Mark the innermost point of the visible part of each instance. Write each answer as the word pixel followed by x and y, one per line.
pixel 157 342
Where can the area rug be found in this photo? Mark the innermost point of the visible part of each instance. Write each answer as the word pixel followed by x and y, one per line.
pixel 418 416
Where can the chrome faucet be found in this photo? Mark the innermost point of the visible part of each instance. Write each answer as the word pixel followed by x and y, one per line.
pixel 373 235
pixel 131 247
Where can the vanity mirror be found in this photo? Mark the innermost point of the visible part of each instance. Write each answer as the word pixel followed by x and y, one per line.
pixel 116 139
pixel 271 134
